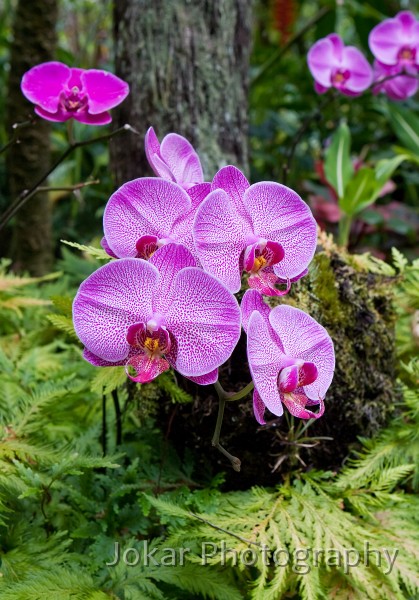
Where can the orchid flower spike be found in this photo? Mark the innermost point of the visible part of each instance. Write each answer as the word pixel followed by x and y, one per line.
pixel 147 213
pixel 332 64
pixel 174 159
pixel 291 358
pixel 395 42
pixel 265 229
pixel 150 315
pixel 61 93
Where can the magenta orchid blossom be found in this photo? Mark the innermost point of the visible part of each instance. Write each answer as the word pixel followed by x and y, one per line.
pixel 61 93
pixel 174 159
pixel 265 229
pixel 332 64
pixel 291 358
pixel 147 213
pixel 392 81
pixel 395 42
pixel 150 315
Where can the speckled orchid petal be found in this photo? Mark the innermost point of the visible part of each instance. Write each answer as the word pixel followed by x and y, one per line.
pixel 145 206
pixel 104 90
pixel 169 260
pixel 251 301
pixel 279 214
pixel 146 367
pixel 234 183
pixel 198 193
pixel 114 297
pixel 258 408
pixel 204 320
pixel 106 248
pixel 303 338
pixel 43 84
pixel 100 362
pixel 296 405
pixel 208 379
pixel 182 160
pixel 390 40
pixel 265 361
pixel 265 282
pixel 220 238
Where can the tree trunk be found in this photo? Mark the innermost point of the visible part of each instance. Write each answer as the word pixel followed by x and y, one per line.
pixel 187 64
pixel 34 42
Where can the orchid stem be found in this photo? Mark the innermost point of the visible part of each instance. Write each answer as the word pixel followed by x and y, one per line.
pixel 344 230
pixel 222 396
pixel 27 194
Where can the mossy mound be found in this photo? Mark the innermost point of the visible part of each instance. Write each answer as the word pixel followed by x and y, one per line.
pixel 355 306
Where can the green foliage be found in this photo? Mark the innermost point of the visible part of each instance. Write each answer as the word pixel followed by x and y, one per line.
pixel 405 125
pixel 338 164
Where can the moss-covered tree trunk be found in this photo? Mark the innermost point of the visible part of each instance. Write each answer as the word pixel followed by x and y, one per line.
pixel 187 65
pixel 34 42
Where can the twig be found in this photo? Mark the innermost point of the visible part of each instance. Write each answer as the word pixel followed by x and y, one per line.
pixel 27 194
pixel 67 188
pixel 15 137
pixel 239 537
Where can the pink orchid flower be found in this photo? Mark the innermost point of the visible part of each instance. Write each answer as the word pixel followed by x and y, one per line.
pixel 395 42
pixel 291 358
pixel 147 213
pixel 265 229
pixel 332 64
pixel 61 93
pixel 152 315
pixel 174 159
pixel 392 81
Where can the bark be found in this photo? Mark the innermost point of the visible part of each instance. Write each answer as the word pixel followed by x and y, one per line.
pixel 187 65
pixel 34 42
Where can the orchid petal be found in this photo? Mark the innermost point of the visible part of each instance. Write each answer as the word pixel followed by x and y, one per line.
pixel 219 236
pixel 114 297
pixel 198 193
pixel 207 379
pixel 288 379
pixel 169 260
pixel 265 362
pixel 182 160
pixel 104 90
pixel 253 300
pixel 308 373
pixel 361 74
pixel 58 117
pixel 43 84
pixel 296 404
pixel 146 206
pixel 234 183
pixel 265 281
pixel 302 337
pixel 258 408
pixel 280 215
pixel 388 38
pixel 204 320
pixel 147 368
pixel 322 60
pixel 99 362
pixel 103 118
pixel 106 247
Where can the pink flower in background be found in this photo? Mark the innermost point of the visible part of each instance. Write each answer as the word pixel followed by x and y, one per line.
pixel 265 229
pixel 332 64
pixel 61 93
pixel 152 315
pixel 291 358
pixel 395 42
pixel 147 213
pixel 392 81
pixel 174 159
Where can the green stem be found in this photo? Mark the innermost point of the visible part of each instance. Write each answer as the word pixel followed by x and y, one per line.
pixel 344 230
pixel 222 396
pixel 242 393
